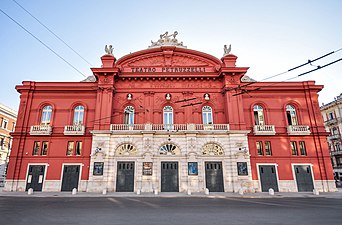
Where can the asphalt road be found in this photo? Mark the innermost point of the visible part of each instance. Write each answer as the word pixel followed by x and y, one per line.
pixel 135 210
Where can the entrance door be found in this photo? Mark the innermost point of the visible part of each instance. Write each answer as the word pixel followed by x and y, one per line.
pixel 304 178
pixel 214 176
pixel 125 177
pixel 268 178
pixel 35 177
pixel 70 177
pixel 169 177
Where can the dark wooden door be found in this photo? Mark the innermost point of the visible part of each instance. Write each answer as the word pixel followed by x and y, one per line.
pixel 304 178
pixel 35 177
pixel 70 179
pixel 169 177
pixel 214 176
pixel 268 178
pixel 125 177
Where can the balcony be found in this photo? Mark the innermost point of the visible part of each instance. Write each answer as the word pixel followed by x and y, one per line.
pixel 331 122
pixel 298 130
pixel 334 137
pixel 169 127
pixel 74 130
pixel 41 130
pixel 334 153
pixel 264 130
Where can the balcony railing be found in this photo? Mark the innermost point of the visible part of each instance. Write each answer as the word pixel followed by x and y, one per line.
pixel 334 137
pixel 336 152
pixel 74 130
pixel 41 130
pixel 331 121
pixel 167 127
pixel 298 130
pixel 264 130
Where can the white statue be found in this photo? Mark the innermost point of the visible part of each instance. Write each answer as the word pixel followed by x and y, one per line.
pixel 226 50
pixel 129 97
pixel 109 50
pixel 168 96
pixel 167 39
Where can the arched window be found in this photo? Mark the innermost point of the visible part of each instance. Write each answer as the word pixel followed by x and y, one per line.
pixel 259 115
pixel 291 115
pixel 129 115
pixel 207 114
pixel 169 149
pixel 46 115
pixel 168 117
pixel 78 115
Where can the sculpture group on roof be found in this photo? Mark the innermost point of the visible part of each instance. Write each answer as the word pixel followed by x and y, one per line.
pixel 167 39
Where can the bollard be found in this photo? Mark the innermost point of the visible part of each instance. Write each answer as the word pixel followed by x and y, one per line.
pixel 241 191
pixel 315 192
pixel 74 191
pixel 104 191
pixel 30 191
pixel 156 192
pixel 206 191
pixel 138 192
pixel 270 191
pixel 189 192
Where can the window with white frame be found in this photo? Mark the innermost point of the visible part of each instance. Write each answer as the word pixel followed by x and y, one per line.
pixel 4 124
pixel 78 115
pixel 291 115
pixel 167 117
pixel 258 115
pixel 46 115
pixel 129 115
pixel 207 114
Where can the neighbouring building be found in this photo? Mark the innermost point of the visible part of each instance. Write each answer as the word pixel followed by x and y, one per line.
pixel 8 119
pixel 332 116
pixel 169 119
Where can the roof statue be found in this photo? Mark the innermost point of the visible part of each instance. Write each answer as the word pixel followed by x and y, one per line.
pixel 109 49
pixel 167 39
pixel 226 50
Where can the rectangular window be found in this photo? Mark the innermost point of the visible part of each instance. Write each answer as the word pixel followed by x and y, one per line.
pixel 4 123
pixel 302 148
pixel 70 149
pixel 259 148
pixel 294 148
pixel 44 148
pixel 78 147
pixel 2 144
pixel 331 116
pixel 36 148
pixel 268 150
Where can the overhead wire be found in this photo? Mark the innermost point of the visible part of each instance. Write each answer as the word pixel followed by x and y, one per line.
pixel 291 78
pixel 45 45
pixel 52 32
pixel 289 70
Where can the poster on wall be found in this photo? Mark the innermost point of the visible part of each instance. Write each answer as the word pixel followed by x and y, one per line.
pixel 147 168
pixel 98 168
pixel 192 168
pixel 242 168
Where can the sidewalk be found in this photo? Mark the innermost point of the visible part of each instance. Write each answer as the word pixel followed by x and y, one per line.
pixel 176 194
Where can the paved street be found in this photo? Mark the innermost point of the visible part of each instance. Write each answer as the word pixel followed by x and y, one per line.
pixel 169 210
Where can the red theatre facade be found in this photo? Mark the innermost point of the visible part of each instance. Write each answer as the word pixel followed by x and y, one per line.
pixel 169 119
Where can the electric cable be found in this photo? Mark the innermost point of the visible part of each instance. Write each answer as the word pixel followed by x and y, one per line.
pixel 43 43
pixel 52 32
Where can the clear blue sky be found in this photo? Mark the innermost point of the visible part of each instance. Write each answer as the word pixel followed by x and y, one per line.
pixel 268 36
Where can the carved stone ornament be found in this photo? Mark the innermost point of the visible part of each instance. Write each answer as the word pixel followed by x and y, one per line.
pixel 212 149
pixel 109 49
pixel 167 39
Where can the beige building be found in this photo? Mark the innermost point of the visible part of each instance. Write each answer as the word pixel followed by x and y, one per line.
pixel 332 116
pixel 8 119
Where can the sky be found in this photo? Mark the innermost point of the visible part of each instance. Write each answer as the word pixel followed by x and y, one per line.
pixel 270 37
